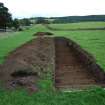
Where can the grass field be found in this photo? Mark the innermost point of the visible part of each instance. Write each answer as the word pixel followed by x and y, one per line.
pixel 92 41
pixel 79 25
pixel 20 97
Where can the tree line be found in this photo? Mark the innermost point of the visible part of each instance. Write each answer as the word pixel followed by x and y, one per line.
pixel 74 19
pixel 6 20
pixel 5 17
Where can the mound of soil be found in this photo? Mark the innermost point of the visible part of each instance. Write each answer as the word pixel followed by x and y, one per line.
pixel 43 34
pixel 28 63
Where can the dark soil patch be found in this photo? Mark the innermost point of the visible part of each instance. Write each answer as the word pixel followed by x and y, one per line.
pixel 73 67
pixel 23 73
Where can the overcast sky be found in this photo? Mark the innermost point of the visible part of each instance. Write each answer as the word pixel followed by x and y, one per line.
pixel 49 8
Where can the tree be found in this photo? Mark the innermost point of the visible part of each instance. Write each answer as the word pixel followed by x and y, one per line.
pixel 41 20
pixel 5 17
pixel 25 22
pixel 15 24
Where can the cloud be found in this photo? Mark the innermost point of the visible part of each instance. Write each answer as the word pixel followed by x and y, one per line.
pixel 28 8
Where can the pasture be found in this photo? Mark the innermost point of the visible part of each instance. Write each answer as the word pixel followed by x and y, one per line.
pixel 79 25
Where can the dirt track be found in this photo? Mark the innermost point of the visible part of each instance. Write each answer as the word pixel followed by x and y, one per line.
pixel 70 72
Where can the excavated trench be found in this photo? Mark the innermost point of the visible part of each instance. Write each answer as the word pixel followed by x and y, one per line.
pixel 70 69
pixel 70 66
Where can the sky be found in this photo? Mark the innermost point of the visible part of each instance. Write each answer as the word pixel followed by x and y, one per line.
pixel 54 8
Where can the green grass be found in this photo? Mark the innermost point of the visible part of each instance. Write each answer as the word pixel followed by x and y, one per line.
pixel 21 97
pixel 79 25
pixel 92 41
pixel 10 41
pixel 48 96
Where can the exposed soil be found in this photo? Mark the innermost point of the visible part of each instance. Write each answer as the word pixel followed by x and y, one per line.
pixel 28 63
pixel 70 72
pixel 43 34
pixel 69 65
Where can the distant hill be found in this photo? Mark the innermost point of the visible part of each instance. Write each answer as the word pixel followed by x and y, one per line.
pixel 73 19
pixel 70 19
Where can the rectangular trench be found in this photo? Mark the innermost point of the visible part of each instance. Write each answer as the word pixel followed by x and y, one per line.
pixel 69 71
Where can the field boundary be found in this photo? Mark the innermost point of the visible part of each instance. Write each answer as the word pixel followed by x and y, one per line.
pixel 77 29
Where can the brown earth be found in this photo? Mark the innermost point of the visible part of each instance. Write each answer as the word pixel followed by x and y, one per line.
pixel 35 59
pixel 43 34
pixel 70 72
pixel 28 63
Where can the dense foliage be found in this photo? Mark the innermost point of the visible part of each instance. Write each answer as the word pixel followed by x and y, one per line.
pixel 41 20
pixel 25 22
pixel 5 17
pixel 16 24
pixel 74 19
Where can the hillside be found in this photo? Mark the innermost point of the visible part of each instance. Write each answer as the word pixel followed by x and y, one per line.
pixel 73 19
